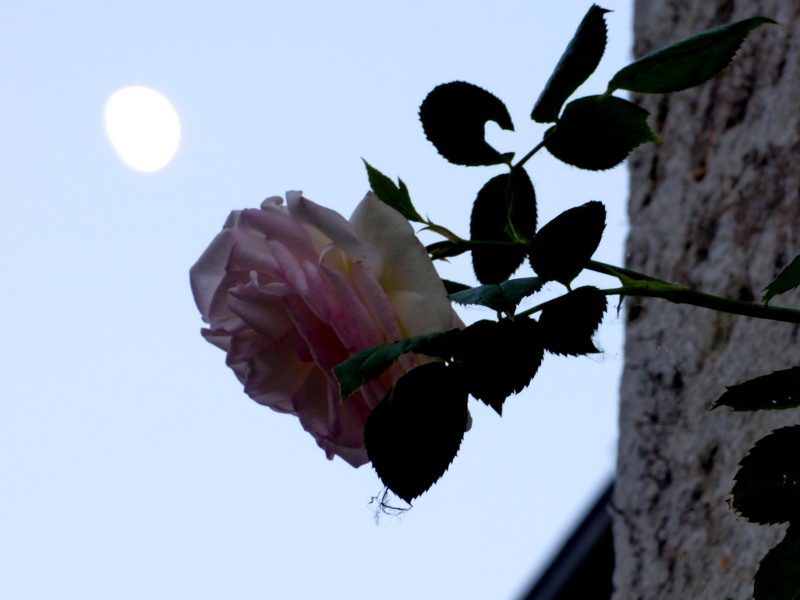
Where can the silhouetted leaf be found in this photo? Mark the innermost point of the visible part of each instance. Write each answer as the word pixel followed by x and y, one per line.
pixel 502 297
pixel 505 200
pixel 687 63
pixel 453 116
pixel 499 358
pixel 521 207
pixel 787 280
pixel 598 133
pixel 568 323
pixel 370 363
pixel 778 576
pixel 767 488
pixel 454 287
pixel 562 248
pixel 388 193
pixel 414 433
pixel 445 249
pixel 579 60
pixel 776 391
pixel 515 290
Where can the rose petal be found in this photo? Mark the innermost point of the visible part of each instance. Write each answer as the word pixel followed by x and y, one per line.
pixel 337 428
pixel 261 310
pixel 207 273
pixel 378 305
pixel 353 323
pixel 335 227
pixel 273 378
pixel 292 292
pixel 244 259
pixel 407 265
pixel 290 270
pixel 275 224
pixel 414 313
pixel 324 346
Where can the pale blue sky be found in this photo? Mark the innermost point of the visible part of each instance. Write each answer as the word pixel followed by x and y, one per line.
pixel 133 465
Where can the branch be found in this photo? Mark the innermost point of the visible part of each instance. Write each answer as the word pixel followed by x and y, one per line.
pixel 642 286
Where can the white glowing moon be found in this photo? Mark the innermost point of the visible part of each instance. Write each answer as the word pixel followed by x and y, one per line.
pixel 143 128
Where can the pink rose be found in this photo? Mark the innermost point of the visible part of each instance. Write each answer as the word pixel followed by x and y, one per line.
pixel 289 294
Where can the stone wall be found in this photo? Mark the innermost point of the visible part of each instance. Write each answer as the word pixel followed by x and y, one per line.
pixel 715 207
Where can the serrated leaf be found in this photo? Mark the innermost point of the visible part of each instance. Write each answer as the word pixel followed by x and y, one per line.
pixel 579 60
pixel 564 246
pixel 388 193
pixel 453 287
pixel 598 133
pixel 521 208
pixel 501 297
pixel 515 290
pixel 778 575
pixel 777 391
pixel 454 115
pixel 687 63
pixel 568 323
pixel 767 488
pixel 370 363
pixel 787 280
pixel 414 433
pixel 505 199
pixel 499 359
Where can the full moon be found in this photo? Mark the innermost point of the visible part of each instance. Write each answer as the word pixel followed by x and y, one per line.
pixel 143 128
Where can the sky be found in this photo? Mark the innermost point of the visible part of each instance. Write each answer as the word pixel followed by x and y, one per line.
pixel 133 465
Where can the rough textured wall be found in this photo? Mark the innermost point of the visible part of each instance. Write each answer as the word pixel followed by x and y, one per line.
pixel 715 207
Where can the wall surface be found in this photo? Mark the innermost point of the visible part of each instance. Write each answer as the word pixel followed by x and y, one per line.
pixel 716 207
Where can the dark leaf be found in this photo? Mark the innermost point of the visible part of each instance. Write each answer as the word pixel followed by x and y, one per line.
pixel 521 207
pixel 778 576
pixel 368 364
pixel 579 60
pixel 767 488
pixel 598 133
pixel 561 249
pixel 505 209
pixel 787 280
pixel 776 391
pixel 499 358
pixel 515 290
pixel 453 116
pixel 445 249
pixel 454 287
pixel 414 433
pixel 687 63
pixel 568 323
pixel 501 297
pixel 388 193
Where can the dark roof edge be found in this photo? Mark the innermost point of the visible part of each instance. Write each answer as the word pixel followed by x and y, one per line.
pixel 576 549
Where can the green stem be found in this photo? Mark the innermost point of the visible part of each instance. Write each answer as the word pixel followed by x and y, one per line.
pixel 639 285
pixel 443 231
pixel 681 295
pixel 527 157
pixel 642 286
pixel 536 308
pixel 605 269
pixel 478 243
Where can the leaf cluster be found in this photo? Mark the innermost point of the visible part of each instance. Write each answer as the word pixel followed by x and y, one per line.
pixel 415 432
pixel 767 488
pixel 595 132
pixel 767 491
